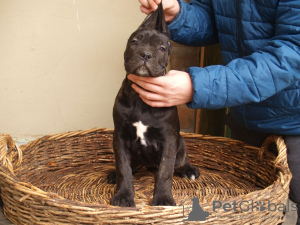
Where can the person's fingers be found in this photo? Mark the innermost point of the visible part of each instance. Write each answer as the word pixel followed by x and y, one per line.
pixel 146 10
pixel 149 4
pixel 171 7
pixel 152 99
pixel 159 81
pixel 153 4
pixel 150 87
pixel 174 88
pixel 155 103
pixel 150 96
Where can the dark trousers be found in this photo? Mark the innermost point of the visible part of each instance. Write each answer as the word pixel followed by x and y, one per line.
pixel 293 153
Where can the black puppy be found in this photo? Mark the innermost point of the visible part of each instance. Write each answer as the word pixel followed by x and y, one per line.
pixel 146 136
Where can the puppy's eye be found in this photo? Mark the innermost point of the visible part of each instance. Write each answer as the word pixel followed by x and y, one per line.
pixel 134 42
pixel 162 48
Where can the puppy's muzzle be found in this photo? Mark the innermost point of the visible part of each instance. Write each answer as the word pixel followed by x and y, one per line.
pixel 146 56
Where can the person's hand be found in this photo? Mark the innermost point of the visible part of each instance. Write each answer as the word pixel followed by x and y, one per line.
pixel 171 8
pixel 175 88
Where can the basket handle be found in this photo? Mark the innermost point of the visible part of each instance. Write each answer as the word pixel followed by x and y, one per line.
pixel 7 149
pixel 281 160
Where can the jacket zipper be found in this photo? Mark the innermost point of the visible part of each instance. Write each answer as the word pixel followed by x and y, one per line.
pixel 239 26
pixel 240 51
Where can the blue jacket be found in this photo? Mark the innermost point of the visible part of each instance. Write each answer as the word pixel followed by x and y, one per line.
pixel 260 44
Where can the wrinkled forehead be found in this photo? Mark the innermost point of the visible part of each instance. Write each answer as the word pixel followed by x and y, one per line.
pixel 149 35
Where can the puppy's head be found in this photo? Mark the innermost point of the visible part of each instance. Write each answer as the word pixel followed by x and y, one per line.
pixel 148 48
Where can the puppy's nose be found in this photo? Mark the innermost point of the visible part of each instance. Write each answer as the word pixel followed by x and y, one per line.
pixel 146 56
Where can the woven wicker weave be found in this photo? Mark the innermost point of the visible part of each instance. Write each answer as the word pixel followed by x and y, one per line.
pixel 61 179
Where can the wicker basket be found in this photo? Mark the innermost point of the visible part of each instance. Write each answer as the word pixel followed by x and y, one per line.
pixel 61 179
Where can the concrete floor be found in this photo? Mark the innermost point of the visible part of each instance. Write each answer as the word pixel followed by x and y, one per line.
pixel 291 217
pixel 3 220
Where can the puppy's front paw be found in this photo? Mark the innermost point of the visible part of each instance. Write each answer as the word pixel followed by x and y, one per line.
pixel 122 200
pixel 163 200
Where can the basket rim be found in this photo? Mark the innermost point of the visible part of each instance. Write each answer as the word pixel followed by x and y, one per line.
pixel 7 146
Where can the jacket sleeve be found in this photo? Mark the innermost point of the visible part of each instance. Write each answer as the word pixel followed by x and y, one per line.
pixel 258 76
pixel 194 25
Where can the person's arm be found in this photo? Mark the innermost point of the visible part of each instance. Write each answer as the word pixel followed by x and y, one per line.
pixel 245 80
pixel 258 76
pixel 194 25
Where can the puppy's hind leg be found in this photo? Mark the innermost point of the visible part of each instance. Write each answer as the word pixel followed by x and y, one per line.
pixel 191 172
pixel 183 168
pixel 112 177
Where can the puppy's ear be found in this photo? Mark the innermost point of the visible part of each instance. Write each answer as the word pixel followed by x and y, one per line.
pixel 156 21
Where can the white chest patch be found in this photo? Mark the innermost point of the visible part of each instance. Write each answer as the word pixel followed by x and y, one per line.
pixel 140 131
